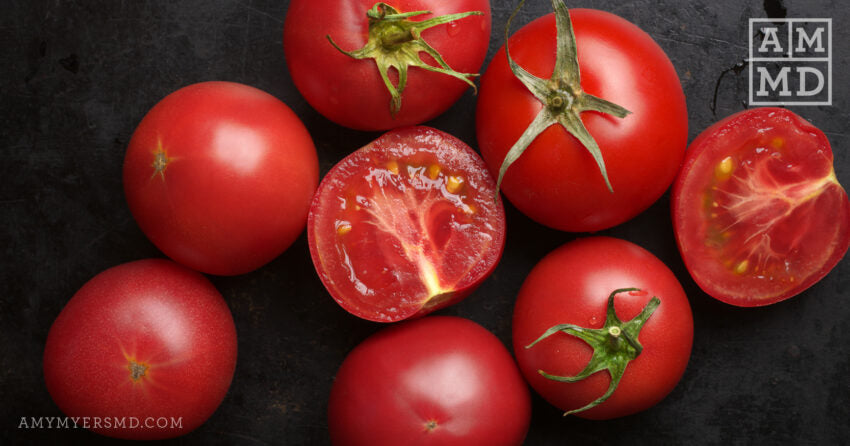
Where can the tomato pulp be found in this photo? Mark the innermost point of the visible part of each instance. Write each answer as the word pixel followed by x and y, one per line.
pixel 556 181
pixel 572 285
pixel 405 225
pixel 758 212
pixel 219 176
pixel 149 343
pixel 433 381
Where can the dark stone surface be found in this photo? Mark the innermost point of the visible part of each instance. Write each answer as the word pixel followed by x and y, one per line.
pixel 78 76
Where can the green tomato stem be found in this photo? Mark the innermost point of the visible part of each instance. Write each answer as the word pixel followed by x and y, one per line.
pixel 615 345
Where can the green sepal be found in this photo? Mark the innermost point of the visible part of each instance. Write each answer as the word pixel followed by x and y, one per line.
pixel 562 96
pixel 614 345
pixel 396 42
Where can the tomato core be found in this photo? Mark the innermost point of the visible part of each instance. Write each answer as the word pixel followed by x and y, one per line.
pixel 414 207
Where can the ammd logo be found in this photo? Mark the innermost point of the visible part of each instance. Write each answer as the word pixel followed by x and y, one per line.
pixel 790 62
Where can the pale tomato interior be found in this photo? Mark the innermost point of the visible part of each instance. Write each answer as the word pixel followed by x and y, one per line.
pixel 401 233
pixel 771 220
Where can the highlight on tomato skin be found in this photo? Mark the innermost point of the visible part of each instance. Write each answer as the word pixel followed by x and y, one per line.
pixel 405 225
pixel 758 212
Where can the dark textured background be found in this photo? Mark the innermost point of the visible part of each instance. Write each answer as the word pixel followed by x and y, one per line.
pixel 77 76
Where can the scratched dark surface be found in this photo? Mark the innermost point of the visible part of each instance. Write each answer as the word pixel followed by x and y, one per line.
pixel 77 76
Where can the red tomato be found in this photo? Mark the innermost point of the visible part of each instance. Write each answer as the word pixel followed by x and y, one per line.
pixel 219 176
pixel 572 285
pixel 758 213
pixel 149 341
pixel 433 381
pixel 351 92
pixel 556 182
pixel 406 225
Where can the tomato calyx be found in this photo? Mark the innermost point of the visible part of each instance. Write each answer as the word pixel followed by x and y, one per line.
pixel 562 97
pixel 614 345
pixel 396 42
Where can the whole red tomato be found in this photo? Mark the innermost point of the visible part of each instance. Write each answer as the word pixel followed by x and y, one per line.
pixel 563 327
pixel 146 349
pixel 758 212
pixel 352 91
pixel 434 381
pixel 406 225
pixel 219 176
pixel 557 181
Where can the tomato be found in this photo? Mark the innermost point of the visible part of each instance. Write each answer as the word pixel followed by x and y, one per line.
pixel 146 343
pixel 574 285
pixel 557 181
pixel 219 176
pixel 406 225
pixel 438 380
pixel 352 92
pixel 758 213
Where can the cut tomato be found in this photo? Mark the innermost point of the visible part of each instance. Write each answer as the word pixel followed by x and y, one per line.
pixel 406 225
pixel 758 212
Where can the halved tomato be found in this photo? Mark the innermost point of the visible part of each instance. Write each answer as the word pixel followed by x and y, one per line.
pixel 406 225
pixel 758 212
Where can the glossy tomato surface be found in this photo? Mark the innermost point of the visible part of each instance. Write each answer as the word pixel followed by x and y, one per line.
pixel 146 342
pixel 758 212
pixel 438 380
pixel 556 182
pixel 406 225
pixel 571 285
pixel 219 176
pixel 351 92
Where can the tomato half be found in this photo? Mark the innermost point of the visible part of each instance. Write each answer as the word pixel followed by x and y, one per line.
pixel 220 176
pixel 557 182
pixel 434 381
pixel 573 285
pixel 351 91
pixel 758 212
pixel 148 348
pixel 406 225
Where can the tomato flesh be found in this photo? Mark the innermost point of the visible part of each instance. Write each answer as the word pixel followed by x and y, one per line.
pixel 405 225
pixel 758 211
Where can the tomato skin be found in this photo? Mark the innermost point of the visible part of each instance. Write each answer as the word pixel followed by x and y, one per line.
pixel 440 369
pixel 154 312
pixel 410 246
pixel 556 182
pixel 351 92
pixel 776 154
pixel 572 285
pixel 240 175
